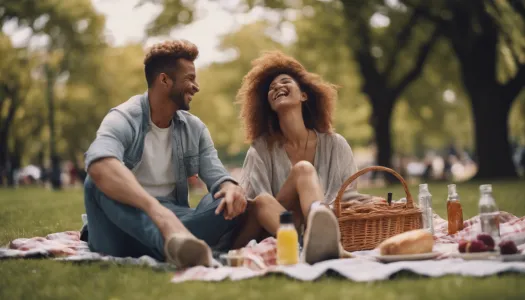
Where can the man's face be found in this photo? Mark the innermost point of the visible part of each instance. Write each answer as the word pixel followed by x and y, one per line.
pixel 184 84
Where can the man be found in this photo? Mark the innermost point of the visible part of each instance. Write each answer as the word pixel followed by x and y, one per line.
pixel 136 192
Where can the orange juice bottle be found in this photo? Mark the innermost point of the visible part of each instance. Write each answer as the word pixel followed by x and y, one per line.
pixel 287 241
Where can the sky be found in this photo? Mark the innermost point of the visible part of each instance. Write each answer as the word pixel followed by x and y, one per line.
pixel 127 23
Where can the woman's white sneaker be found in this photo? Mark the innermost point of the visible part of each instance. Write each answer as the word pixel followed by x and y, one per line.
pixel 322 236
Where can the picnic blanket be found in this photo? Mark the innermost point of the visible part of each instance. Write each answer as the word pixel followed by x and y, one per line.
pixel 67 246
pixel 260 258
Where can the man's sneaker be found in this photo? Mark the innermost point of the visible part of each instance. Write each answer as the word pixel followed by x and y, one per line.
pixel 322 236
pixel 185 251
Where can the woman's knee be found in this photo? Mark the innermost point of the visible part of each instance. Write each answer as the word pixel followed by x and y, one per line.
pixel 264 200
pixel 303 167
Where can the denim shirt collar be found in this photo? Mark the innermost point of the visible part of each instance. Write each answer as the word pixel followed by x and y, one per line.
pixel 178 117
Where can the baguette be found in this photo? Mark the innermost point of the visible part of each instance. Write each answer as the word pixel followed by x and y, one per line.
pixel 411 242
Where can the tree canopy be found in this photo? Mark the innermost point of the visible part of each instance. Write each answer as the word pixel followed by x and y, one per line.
pixel 409 81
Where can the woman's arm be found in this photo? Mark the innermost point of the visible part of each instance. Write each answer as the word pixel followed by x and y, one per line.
pixel 255 179
pixel 343 166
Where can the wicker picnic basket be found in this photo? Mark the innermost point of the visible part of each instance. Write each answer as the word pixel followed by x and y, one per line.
pixel 364 227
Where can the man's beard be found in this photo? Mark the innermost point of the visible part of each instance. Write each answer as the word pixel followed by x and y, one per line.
pixel 178 98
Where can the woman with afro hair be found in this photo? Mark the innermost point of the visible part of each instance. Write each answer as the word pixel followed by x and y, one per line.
pixel 296 162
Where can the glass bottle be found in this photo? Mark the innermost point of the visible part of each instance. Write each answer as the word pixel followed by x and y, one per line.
pixel 425 204
pixel 454 211
pixel 287 241
pixel 488 212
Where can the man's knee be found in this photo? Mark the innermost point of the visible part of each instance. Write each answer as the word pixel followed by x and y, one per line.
pixel 303 167
pixel 91 191
pixel 89 188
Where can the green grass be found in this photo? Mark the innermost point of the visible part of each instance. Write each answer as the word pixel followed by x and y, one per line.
pixel 37 212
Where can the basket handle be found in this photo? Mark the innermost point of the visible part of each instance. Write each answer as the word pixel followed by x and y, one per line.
pixel 337 204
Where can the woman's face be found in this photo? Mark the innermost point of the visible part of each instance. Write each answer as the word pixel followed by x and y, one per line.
pixel 284 92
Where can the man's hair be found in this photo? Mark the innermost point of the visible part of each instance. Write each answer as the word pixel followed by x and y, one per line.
pixel 163 57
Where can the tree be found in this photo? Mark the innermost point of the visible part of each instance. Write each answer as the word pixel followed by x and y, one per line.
pixel 382 78
pixel 72 29
pixel 87 96
pixel 488 39
pixel 421 118
pixel 15 81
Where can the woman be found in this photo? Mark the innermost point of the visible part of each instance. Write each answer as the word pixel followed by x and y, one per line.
pixel 296 162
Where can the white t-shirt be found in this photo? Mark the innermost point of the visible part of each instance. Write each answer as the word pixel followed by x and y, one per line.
pixel 155 171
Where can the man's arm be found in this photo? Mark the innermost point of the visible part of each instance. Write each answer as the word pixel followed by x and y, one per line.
pixel 219 182
pixel 211 169
pixel 118 183
pixel 104 166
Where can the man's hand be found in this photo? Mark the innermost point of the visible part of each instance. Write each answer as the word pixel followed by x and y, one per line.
pixel 233 201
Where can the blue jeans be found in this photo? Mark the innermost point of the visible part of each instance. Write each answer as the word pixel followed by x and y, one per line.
pixel 121 230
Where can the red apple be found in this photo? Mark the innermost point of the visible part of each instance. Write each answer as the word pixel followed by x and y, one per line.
pixel 476 246
pixel 508 247
pixel 462 246
pixel 487 240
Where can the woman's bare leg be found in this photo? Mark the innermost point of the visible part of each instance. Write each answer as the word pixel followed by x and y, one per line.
pixel 302 188
pixel 262 215
pixel 299 191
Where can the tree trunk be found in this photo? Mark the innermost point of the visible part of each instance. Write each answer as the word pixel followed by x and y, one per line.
pixel 383 140
pixel 493 150
pixel 3 161
pixel 490 105
pixel 15 163
pixel 4 156
pixel 55 179
pixel 381 120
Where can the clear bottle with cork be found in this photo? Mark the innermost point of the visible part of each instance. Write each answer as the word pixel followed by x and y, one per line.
pixel 425 204
pixel 488 212
pixel 287 241
pixel 454 211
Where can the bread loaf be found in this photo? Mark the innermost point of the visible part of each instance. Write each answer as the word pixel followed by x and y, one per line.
pixel 410 242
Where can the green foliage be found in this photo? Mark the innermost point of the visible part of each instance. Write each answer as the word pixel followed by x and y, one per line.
pixel 90 77
pixel 323 50
pixel 517 121
pixel 174 13
pixel 72 56
pixel 215 103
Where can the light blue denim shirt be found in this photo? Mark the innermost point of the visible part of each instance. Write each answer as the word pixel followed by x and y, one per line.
pixel 122 132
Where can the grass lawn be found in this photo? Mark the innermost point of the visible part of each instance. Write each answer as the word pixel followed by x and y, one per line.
pixel 38 212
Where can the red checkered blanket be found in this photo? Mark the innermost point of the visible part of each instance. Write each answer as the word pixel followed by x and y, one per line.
pixel 257 256
pixel 67 246
pixel 511 227
pixel 60 244
pixel 264 254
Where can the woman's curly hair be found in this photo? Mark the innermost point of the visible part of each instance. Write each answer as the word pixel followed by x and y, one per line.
pixel 258 117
